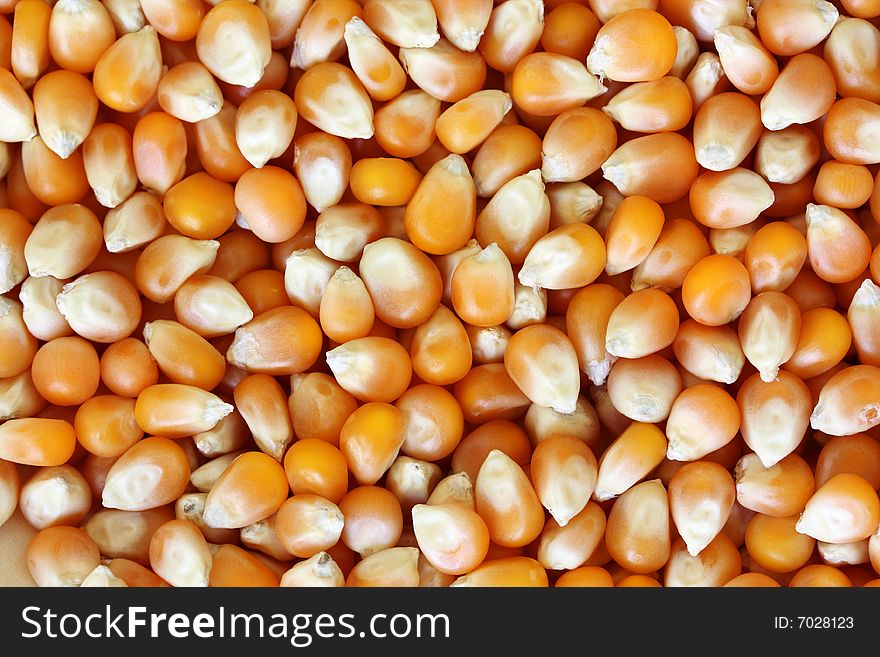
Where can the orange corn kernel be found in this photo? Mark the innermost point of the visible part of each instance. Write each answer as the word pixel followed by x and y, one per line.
pixel 322 163
pixel 839 250
pixel 693 430
pixel 747 63
pixel 315 466
pixel 375 65
pixel 234 43
pixel 488 266
pixel 463 22
pixel 775 415
pixel 814 21
pixel 342 231
pixel 657 106
pixel 714 566
pixel 568 257
pixel 862 317
pixel 373 519
pixel 284 340
pixel 232 566
pixel 216 147
pixel 857 454
pixel 641 324
pixel 856 75
pixel 433 422
pixel 661 166
pixel 712 353
pixel 406 294
pixel 824 340
pixel 629 459
pixel 586 325
pixel 271 203
pixel 498 434
pixel 391 567
pixel 845 186
pixel 679 246
pixel 844 496
pixel 405 124
pixel 780 490
pixel 819 575
pixel 506 571
pixel 346 311
pixel 453 538
pixel 513 31
pixel 176 410
pixel 443 71
pixel 569 547
pixel 804 91
pixel 330 97
pixel 126 534
pixel 440 228
pixel 15 339
pixel 81 231
pixel 306 274
pixel 510 151
pixel 373 369
pixel 319 407
pixel 66 371
pixel 189 92
pixel 774 256
pixel 716 290
pixel 576 144
pixel 65 106
pixel 212 306
pixel 370 439
pixel 384 181
pixel 80 31
pixel 61 556
pixel 729 199
pixel 643 389
pixel 769 328
pixel 180 555
pixel 637 533
pixel 547 84
pixel 127 367
pixel 165 264
pixel 105 425
pixel 29 41
pixel 37 441
pixel 178 21
pixel 441 351
pixel 109 164
pixel 515 237
pixel 563 471
pixel 183 355
pixel 632 233
pixel 635 46
pixel 149 474
pixel 127 74
pixel 264 125
pixel 542 362
pixel 507 502
pixel 51 179
pixel 308 524
pixel 701 495
pixel 251 488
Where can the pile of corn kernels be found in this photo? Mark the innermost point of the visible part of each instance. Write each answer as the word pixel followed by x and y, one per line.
pixel 441 292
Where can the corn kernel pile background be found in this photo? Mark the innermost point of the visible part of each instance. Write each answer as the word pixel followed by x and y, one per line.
pixel 439 293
